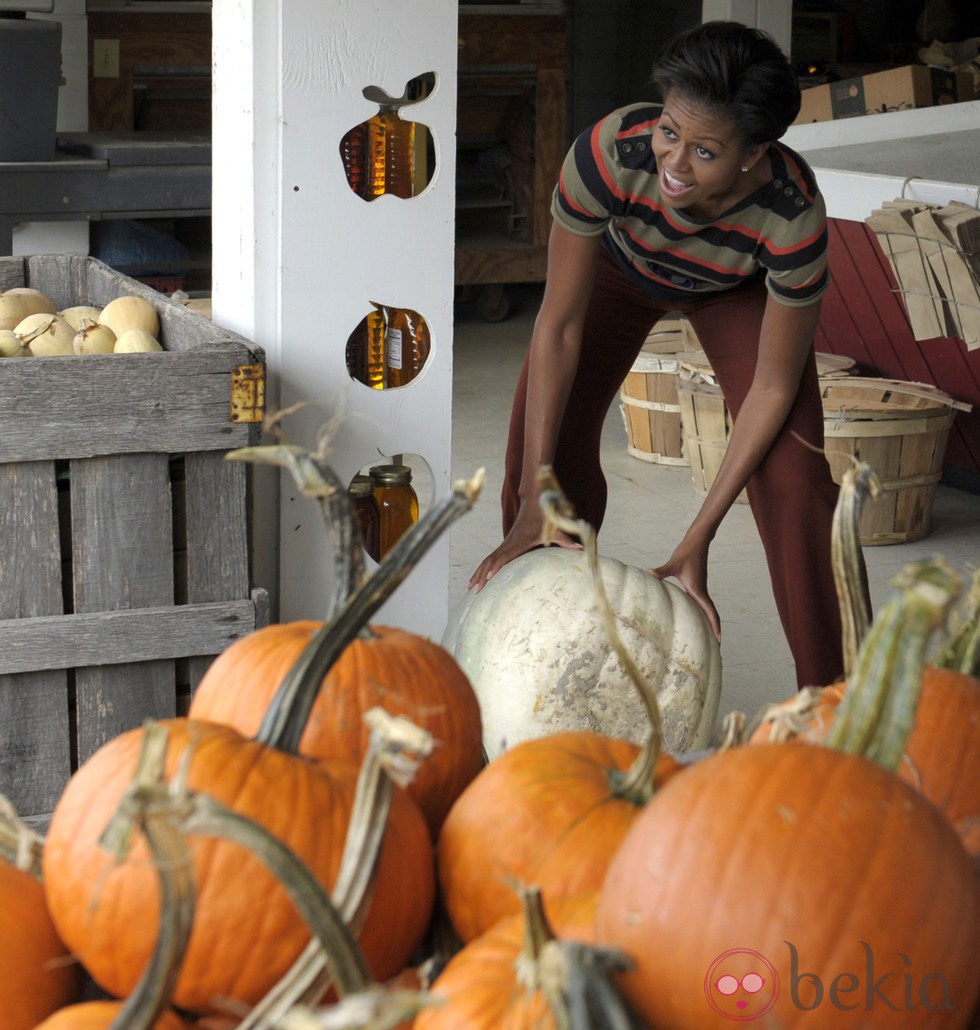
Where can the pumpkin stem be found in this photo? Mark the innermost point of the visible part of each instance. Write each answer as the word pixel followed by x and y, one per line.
pixel 373 1009
pixel 146 806
pixel 395 749
pixel 790 718
pixel 733 730
pixel 574 977
pixel 858 483
pixel 286 718
pixel 315 478
pixel 20 845
pixel 636 784
pixel 196 813
pixel 961 650
pixel 877 712
pixel 537 933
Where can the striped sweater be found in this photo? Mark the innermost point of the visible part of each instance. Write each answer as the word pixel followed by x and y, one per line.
pixel 609 184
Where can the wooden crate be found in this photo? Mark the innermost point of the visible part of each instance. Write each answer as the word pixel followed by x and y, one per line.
pixel 125 530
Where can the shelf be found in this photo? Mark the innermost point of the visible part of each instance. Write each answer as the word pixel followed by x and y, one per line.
pixel 511 100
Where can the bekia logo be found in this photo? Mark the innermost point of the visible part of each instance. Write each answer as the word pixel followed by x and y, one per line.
pixel 743 985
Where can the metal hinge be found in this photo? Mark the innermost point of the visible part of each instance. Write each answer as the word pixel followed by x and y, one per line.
pixel 248 393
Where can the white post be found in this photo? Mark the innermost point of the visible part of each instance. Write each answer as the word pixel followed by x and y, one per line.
pixel 298 258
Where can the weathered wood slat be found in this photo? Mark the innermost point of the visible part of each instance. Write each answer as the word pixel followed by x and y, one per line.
pixel 119 404
pixel 215 493
pixel 122 553
pixel 116 637
pixel 35 754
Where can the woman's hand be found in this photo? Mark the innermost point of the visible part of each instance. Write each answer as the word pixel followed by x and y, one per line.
pixel 784 345
pixel 553 360
pixel 524 536
pixel 689 566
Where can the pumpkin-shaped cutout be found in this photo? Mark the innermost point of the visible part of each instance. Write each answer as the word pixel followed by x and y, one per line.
pixel 390 153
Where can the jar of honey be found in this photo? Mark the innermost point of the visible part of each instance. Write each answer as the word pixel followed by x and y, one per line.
pixel 398 505
pixel 366 513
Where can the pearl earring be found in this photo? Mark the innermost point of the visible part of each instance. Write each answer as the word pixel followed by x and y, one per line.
pixel 745 168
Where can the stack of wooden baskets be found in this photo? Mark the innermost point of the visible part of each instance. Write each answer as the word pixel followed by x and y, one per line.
pixel 706 420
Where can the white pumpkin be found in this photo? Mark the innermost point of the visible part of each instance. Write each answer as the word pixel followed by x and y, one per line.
pixel 535 649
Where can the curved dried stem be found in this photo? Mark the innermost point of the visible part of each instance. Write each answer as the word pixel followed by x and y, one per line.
pixel 315 478
pixel 877 712
pixel 196 813
pixel 146 807
pixel 790 719
pixel 20 845
pixel 961 649
pixel 575 978
pixel 637 782
pixel 395 750
pixel 859 482
pixel 287 716
pixel 374 1009
pixel 733 730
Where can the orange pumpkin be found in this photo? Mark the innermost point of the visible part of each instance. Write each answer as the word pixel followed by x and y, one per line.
pixel 102 1015
pixel 247 932
pixel 942 755
pixel 402 672
pixel 504 977
pixel 550 812
pixel 812 872
pixel 767 881
pixel 37 974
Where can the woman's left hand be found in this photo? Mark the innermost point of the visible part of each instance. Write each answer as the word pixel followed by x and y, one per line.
pixel 689 566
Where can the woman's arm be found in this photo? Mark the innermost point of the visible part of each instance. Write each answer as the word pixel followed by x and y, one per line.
pixel 554 351
pixel 784 343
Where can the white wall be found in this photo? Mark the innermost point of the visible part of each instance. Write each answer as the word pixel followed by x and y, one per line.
pixel 772 16
pixel 927 154
pixel 297 257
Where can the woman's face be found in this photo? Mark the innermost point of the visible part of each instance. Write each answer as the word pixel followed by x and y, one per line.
pixel 700 157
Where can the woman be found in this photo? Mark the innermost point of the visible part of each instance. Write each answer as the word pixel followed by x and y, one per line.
pixel 693 208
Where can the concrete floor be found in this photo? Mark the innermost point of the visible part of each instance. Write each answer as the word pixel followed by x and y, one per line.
pixel 659 500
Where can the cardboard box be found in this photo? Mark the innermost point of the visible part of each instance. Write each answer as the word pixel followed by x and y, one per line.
pixel 898 89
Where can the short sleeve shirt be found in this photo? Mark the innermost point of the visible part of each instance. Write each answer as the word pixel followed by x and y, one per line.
pixel 609 184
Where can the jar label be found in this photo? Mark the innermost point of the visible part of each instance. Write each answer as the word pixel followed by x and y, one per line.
pixel 394 342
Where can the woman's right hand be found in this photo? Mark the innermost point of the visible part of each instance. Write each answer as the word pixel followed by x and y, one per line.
pixel 524 536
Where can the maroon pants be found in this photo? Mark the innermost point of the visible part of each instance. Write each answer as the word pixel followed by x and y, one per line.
pixel 792 494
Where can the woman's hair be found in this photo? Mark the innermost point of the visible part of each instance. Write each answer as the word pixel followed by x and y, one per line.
pixel 737 71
